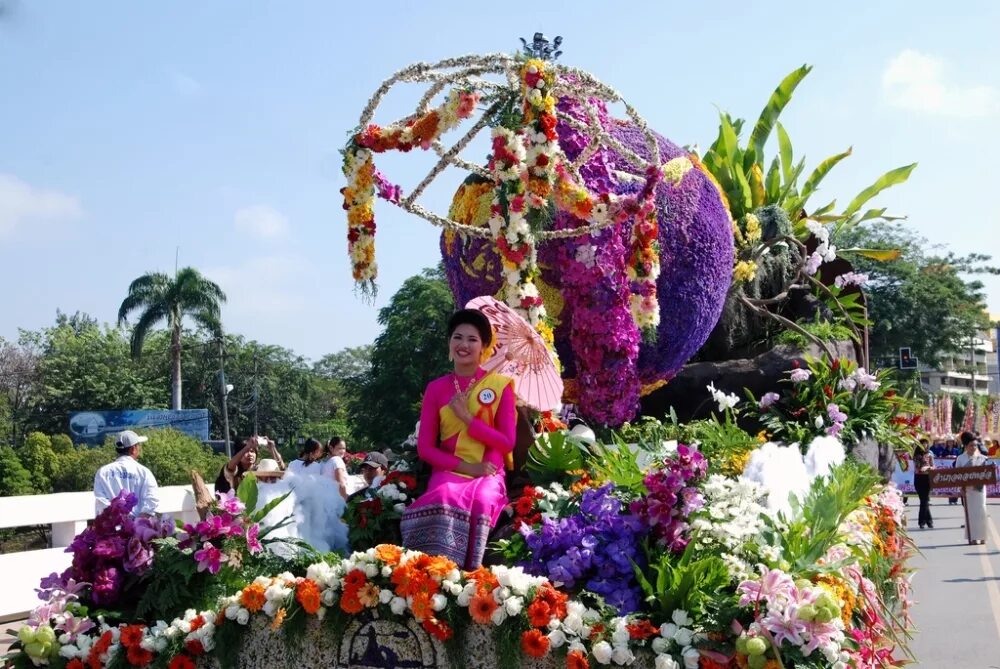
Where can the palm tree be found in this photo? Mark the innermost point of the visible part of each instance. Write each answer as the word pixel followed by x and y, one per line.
pixel 158 297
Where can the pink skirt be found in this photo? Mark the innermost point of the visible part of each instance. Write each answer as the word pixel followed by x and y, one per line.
pixel 454 517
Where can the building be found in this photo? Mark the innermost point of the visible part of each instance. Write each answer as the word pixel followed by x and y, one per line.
pixel 958 371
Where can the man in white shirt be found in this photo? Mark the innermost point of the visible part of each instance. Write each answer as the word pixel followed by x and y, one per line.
pixel 127 474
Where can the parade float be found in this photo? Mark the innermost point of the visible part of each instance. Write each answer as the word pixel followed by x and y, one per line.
pixel 661 544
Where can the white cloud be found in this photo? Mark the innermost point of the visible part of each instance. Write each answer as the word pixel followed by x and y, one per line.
pixel 920 82
pixel 183 84
pixel 261 221
pixel 261 291
pixel 23 205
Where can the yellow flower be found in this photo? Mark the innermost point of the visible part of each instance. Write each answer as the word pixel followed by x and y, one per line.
pixel 675 169
pixel 753 228
pixel 279 618
pixel 745 270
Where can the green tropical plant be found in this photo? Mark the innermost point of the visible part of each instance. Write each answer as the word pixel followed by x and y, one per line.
pixel 749 182
pixel 554 455
pixel 158 297
pixel 814 525
pixel 688 583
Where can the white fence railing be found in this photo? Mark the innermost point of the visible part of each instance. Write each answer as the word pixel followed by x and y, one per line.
pixel 67 513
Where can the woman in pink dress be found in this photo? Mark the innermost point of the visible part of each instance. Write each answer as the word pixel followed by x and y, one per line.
pixel 467 429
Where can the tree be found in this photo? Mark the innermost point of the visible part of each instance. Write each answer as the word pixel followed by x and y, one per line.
pixel 14 478
pixel 159 298
pixel 40 461
pixel 84 369
pixel 348 363
pixel 410 352
pixel 18 371
pixel 921 299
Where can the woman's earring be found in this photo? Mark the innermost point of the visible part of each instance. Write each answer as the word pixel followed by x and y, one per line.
pixel 451 357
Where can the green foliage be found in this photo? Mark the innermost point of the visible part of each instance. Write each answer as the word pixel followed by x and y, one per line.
pixel 801 413
pixel 824 329
pixel 750 182
pixel 39 459
pixel 77 468
pixel 14 478
pixel 554 455
pixel 173 585
pixel 691 583
pixel 618 463
pixel 408 354
pixel 817 517
pixel 920 300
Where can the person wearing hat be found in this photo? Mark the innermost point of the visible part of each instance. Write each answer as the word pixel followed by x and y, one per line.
pixel 243 461
pixel 373 470
pixel 268 471
pixel 125 473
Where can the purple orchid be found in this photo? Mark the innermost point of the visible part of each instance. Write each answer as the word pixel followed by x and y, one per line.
pixel 768 400
pixel 230 503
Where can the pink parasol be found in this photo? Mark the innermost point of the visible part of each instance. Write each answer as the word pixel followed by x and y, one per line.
pixel 521 354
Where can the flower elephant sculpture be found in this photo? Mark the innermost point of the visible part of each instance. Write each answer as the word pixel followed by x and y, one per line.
pixel 584 280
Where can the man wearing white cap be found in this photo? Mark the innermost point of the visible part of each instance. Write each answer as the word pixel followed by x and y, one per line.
pixel 125 473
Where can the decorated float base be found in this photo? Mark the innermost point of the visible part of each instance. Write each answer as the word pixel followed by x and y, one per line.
pixel 371 642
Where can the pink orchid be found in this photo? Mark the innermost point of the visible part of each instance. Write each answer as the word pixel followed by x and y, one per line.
pixel 210 558
pixel 785 625
pixel 230 503
pixel 253 542
pixel 775 587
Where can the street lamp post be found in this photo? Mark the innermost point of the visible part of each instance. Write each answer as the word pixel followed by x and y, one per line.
pixel 224 389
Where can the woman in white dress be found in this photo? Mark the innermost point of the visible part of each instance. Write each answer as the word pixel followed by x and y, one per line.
pixel 334 466
pixel 308 462
pixel 975 496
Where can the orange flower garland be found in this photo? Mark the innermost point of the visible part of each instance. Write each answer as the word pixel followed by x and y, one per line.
pixel 252 597
pixel 534 643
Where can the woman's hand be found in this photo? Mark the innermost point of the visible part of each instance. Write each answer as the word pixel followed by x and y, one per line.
pixel 460 405
pixel 476 469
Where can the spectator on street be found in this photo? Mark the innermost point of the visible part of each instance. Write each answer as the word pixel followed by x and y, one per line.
pixel 125 473
pixel 373 469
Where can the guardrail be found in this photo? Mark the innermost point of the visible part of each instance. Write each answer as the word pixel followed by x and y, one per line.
pixel 67 513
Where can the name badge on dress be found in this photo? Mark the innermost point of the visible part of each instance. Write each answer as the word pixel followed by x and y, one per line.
pixel 487 396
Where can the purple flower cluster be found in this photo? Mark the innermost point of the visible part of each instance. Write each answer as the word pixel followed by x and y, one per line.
pixel 593 549
pixel 207 536
pixel 672 497
pixel 115 546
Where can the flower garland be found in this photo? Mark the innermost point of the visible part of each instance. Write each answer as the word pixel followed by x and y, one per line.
pixel 394 581
pixel 359 169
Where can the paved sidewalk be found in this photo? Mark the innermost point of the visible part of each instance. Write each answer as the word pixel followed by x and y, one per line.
pixel 957 590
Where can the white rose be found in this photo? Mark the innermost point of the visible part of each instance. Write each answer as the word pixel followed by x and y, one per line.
pixel 399 508
pixel 603 652
pixel 514 605
pixel 397 605
pixel 557 638
pixel 666 662
pixel 499 616
pixel 385 596
pixel 691 658
pixel 438 602
pixel 660 645
pixel 463 598
pixel 668 630
pixel 329 597
pixel 243 616
pixel 622 655
pixel 683 637
pixel 371 571
pixel 681 618
pixel 620 636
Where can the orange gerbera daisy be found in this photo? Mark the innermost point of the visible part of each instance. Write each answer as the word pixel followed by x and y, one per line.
pixel 440 567
pixel 307 595
pixel 75 663
pixel 388 554
pixel 355 579
pixel 439 629
pixel 481 608
pixel 539 613
pixel 534 643
pixel 350 603
pixel 252 597
pixel 576 660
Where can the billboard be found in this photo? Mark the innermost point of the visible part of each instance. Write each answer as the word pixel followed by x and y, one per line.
pixel 91 427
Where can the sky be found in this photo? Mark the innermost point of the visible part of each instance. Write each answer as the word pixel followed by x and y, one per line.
pixel 138 136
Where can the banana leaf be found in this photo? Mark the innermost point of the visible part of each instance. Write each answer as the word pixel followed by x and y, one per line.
pixel 812 182
pixel 884 255
pixel 772 110
pixel 785 150
pixel 887 180
pixel 772 184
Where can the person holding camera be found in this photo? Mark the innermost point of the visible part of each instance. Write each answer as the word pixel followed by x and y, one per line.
pixel 244 461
